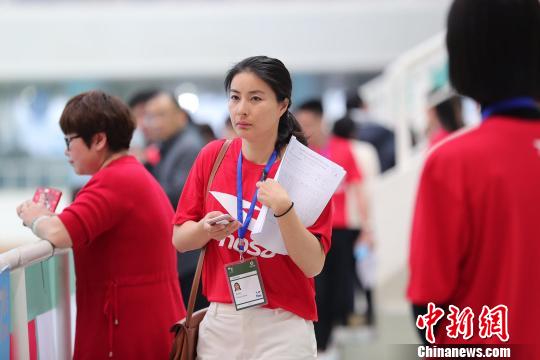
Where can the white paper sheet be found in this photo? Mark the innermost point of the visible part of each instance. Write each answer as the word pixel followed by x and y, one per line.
pixel 310 180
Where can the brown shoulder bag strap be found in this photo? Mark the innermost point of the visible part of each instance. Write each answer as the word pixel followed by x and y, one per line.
pixel 197 278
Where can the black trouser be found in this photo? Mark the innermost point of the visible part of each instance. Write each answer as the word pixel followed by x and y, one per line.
pixel 185 287
pixel 335 285
pixel 187 264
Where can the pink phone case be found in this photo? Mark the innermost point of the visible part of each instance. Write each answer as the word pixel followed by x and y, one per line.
pixel 51 196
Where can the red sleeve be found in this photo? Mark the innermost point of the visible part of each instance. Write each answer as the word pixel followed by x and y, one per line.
pixel 96 209
pixel 323 226
pixel 438 239
pixel 192 199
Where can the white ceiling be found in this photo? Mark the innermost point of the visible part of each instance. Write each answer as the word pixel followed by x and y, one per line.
pixel 126 39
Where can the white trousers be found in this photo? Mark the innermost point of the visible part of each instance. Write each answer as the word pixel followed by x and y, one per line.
pixel 254 334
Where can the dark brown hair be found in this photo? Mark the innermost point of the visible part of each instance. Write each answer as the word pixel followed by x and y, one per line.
pixel 494 48
pixel 274 73
pixel 95 111
pixel 314 106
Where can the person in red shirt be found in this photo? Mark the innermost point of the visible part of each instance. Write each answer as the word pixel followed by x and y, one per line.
pixel 475 233
pixel 335 285
pixel 125 265
pixel 259 90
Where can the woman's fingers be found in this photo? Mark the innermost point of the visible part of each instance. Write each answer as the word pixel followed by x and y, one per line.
pixel 23 206
pixel 232 227
pixel 212 229
pixel 219 231
pixel 272 194
pixel 228 229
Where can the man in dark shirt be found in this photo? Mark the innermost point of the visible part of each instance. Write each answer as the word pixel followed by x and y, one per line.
pixel 179 142
pixel 372 132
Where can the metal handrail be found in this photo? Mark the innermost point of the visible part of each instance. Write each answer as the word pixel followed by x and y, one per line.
pixel 29 254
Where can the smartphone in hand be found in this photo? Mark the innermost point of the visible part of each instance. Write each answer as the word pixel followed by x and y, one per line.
pixel 51 197
pixel 221 220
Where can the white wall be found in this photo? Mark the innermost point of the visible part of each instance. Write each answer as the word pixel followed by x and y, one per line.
pixel 143 40
pixel 393 203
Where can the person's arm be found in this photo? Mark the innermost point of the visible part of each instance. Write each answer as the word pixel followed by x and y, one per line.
pixel 44 223
pixel 53 230
pixel 193 235
pixel 302 246
pixel 361 201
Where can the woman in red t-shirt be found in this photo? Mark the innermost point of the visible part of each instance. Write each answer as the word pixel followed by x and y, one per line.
pixel 127 289
pixel 259 90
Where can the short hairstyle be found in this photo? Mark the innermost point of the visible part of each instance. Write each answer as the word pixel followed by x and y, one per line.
pixel 174 101
pixel 274 73
pixel 494 48
pixel 312 105
pixel 141 97
pixel 95 111
pixel 344 128
pixel 353 101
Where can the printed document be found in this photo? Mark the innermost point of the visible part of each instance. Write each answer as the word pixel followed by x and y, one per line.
pixel 310 180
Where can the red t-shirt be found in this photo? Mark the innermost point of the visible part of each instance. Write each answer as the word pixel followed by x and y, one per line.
pixel 286 285
pixel 476 230
pixel 438 136
pixel 339 151
pixel 125 264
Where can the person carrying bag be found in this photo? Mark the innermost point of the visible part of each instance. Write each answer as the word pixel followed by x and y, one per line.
pixel 186 331
pixel 262 304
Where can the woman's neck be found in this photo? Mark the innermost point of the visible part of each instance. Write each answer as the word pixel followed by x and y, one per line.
pixel 111 157
pixel 257 152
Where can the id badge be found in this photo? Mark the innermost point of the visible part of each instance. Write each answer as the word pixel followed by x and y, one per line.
pixel 245 284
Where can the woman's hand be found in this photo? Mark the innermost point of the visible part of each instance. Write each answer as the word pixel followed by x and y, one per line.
pixel 218 231
pixel 29 210
pixel 302 246
pixel 273 195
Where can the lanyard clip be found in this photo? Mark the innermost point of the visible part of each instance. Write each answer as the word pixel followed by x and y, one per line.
pixel 242 247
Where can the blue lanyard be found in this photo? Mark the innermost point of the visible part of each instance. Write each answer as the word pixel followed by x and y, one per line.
pixel 509 104
pixel 239 198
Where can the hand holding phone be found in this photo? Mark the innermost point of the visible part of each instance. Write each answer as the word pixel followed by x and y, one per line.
pixel 49 196
pixel 223 219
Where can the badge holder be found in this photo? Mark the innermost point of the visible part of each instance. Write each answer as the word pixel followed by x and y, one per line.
pixel 244 277
pixel 245 284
